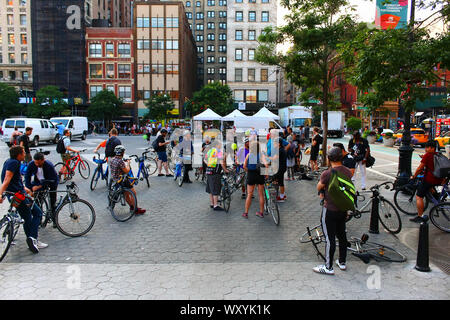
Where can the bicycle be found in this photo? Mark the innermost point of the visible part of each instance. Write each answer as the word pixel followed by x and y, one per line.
pixel 117 200
pixel 9 226
pixel 74 217
pixel 98 172
pixel 179 171
pixel 360 248
pixel 405 200
pixel 270 200
pixel 230 183
pixel 142 168
pixel 199 173
pixel 150 160
pixel 66 171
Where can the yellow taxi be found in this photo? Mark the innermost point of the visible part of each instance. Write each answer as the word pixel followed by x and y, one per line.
pixel 443 139
pixel 417 133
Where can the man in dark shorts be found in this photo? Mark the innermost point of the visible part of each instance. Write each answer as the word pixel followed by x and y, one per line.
pixel 315 147
pixel 162 154
pixel 333 220
pixel 281 154
pixel 215 164
pixel 118 168
pixel 429 180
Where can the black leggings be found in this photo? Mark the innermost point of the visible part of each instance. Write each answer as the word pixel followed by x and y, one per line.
pixel 333 225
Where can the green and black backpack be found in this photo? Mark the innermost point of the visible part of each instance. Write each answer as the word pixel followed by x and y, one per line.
pixel 342 191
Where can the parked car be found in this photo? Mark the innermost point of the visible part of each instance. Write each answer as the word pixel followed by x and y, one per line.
pixel 417 133
pixel 78 126
pixel 43 129
pixel 443 139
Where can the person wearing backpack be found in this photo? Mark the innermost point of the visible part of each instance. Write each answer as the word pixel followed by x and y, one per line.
pixel 334 212
pixel 360 150
pixel 429 180
pixel 111 143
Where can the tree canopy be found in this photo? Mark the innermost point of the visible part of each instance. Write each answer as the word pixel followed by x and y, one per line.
pixel 106 106
pixel 49 103
pixel 159 107
pixel 215 96
pixel 9 101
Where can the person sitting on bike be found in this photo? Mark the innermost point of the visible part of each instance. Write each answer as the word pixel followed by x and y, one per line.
pixel 280 153
pixel 118 168
pixel 12 182
pixel 38 170
pixel 429 180
pixel 333 220
pixel 240 159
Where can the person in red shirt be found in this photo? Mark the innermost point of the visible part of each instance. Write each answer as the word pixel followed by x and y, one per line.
pixel 426 166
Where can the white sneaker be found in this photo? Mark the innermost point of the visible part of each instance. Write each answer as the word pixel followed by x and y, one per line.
pixel 41 245
pixel 341 266
pixel 323 269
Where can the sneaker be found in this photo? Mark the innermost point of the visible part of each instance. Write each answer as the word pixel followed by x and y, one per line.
pixel 218 208
pixel 32 245
pixel 140 211
pixel 245 215
pixel 160 175
pixel 279 199
pixel 341 266
pixel 260 214
pixel 416 219
pixel 243 196
pixel 169 175
pixel 363 189
pixel 41 245
pixel 211 206
pixel 323 269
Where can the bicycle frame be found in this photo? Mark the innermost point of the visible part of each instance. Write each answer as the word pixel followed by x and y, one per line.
pixel 100 173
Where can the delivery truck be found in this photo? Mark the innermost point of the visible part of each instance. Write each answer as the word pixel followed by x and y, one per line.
pixel 336 122
pixel 295 116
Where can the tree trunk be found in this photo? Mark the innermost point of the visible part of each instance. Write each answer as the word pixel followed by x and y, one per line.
pixel 325 122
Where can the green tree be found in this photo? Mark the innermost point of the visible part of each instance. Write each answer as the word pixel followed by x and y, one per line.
pixel 106 106
pixel 215 96
pixel 49 103
pixel 159 107
pixel 315 28
pixel 354 124
pixel 9 101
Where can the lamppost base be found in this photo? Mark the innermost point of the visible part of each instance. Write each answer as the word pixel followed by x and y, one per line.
pixel 404 165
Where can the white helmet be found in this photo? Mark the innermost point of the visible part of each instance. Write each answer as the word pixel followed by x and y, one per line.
pixel 119 150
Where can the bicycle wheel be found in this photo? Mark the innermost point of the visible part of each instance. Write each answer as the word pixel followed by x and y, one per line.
pixel 84 169
pixel 274 211
pixel 45 208
pixel 317 240
pixel 75 219
pixel 171 165
pixel 151 165
pixel 316 233
pixel 226 198
pixel 197 174
pixel 440 216
pixel 63 176
pixel 6 232
pixel 119 207
pixel 95 178
pixel 405 200
pixel 181 177
pixel 389 217
pixel 382 252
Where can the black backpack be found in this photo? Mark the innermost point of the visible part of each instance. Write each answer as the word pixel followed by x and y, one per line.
pixel 155 144
pixel 60 148
pixel 110 145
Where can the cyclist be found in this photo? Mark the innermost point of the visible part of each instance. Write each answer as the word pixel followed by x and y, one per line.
pixel 118 168
pixel 215 164
pixel 429 181
pixel 160 149
pixel 12 182
pixel 38 170
pixel 281 155
pixel 333 220
pixel 241 155
pixel 65 156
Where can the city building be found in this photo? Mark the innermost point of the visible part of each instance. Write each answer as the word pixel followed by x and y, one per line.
pixel 251 82
pixel 208 22
pixel 287 92
pixel 110 64
pixel 165 55
pixel 15 44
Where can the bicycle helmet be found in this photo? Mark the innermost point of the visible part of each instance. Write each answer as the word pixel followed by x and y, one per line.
pixel 119 150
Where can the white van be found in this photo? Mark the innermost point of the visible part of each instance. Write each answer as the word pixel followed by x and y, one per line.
pixel 78 126
pixel 43 129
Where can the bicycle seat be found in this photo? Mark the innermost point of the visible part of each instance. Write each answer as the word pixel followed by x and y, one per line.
pixel 365 257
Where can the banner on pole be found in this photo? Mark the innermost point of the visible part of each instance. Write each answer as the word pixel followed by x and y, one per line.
pixel 393 15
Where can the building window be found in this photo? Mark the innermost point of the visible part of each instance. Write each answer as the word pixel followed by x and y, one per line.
pixel 210 48
pixel 10 19
pixel 110 71
pixel 23 2
pixel 265 16
pixel 210 59
pixel 238 54
pixel 210 80
pixel 251 35
pixel 211 70
pixel 158 44
pixel 223 25
pixel 11 40
pixel 94 90
pixel 188 4
pixel 264 75
pixel 199 26
pixel 110 50
pixel 24 57
pixel 251 1
pixel 157 22
pixel 252 16
pixel 263 95
pixel 173 44
pixel 239 95
pixel 199 38
pixel 23 39
pixel 172 69
pixel 222 14
pixel 251 75
pixel 124 50
pixel 110 88
pixel 222 59
pixel 250 96
pixel 211 3
pixel 12 58
pixel 199 15
pixel 211 25
pixel 157 68
pixel 223 48
pixel 223 37
pixel 143 68
pixel 25 75
pixel 222 70
pixel 200 49
pixel 145 94
pixel 238 35
pixel 125 93
pixel 143 22
pixel 95 50
pixel 223 3
pixel 12 75
pixel 264 1
pixel 238 75
pixel 124 71
pixel 95 71
pixel 211 14
pixel 251 54
pixel 189 15
pixel 172 22
pixel 143 44
pixel 23 20
pixel 9 2
pixel 239 16
pixel 200 71
pixel 238 1
pixel 197 4
pixel 210 36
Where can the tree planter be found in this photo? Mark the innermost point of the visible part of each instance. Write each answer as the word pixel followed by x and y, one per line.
pixel 388 142
pixel 371 139
pixel 447 150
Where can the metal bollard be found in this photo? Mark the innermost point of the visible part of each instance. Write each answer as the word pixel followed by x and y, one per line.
pixel 374 216
pixel 422 263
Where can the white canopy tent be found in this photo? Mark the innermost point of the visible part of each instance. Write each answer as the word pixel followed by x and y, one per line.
pixel 265 113
pixel 233 115
pixel 206 115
